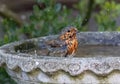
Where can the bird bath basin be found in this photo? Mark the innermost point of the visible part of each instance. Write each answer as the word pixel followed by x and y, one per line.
pixel 97 60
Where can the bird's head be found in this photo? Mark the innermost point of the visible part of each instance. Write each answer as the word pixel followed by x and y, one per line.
pixel 68 33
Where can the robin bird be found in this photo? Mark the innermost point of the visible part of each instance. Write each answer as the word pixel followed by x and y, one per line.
pixel 68 36
pixel 66 43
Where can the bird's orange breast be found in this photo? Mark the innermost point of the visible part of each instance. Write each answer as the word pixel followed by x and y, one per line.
pixel 72 46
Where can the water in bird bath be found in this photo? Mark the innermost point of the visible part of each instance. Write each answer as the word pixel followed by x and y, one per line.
pixel 97 50
pixel 83 50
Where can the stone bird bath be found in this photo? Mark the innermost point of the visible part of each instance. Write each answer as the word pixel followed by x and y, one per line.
pixel 96 61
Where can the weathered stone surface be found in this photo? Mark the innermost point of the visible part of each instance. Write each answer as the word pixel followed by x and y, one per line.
pixel 26 68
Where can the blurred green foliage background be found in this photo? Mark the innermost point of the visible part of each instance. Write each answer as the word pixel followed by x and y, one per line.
pixel 55 16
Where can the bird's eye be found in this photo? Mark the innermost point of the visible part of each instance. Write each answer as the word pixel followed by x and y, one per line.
pixel 68 30
pixel 70 36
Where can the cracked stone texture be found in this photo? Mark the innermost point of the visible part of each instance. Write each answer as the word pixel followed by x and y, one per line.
pixel 26 68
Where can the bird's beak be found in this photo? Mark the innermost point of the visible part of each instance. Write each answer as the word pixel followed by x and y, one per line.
pixel 76 30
